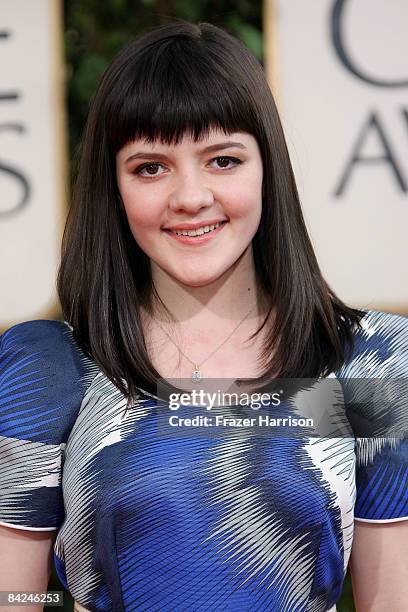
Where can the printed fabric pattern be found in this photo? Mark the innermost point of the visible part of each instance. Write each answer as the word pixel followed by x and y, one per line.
pixel 150 521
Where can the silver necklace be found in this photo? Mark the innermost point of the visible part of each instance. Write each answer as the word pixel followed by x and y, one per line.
pixel 197 374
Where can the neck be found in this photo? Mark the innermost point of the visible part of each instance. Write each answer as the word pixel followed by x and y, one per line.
pixel 228 298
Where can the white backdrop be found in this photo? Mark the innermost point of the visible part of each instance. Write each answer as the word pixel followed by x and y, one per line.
pixel 340 74
pixel 32 158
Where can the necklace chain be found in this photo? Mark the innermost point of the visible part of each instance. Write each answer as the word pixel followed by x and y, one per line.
pixel 197 375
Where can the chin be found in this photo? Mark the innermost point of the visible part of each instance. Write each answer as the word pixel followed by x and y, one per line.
pixel 197 280
pixel 197 283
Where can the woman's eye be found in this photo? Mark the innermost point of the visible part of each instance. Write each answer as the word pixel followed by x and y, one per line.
pixel 150 170
pixel 224 161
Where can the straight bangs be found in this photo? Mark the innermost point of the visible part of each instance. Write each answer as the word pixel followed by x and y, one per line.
pixel 177 89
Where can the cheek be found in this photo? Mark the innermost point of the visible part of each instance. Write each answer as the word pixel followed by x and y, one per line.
pixel 245 198
pixel 142 211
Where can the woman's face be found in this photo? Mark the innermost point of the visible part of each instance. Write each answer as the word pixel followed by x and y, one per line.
pixel 217 180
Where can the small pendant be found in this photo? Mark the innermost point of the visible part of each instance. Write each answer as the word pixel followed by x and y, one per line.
pixel 196 375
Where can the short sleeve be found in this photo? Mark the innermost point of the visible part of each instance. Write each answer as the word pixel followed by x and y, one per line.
pixel 41 385
pixel 381 480
pixel 380 366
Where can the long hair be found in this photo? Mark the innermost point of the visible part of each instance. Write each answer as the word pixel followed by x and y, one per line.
pixel 179 79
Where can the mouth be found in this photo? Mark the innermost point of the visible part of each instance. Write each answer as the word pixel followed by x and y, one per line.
pixel 200 235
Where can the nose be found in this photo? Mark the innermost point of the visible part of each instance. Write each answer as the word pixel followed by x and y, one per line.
pixel 190 194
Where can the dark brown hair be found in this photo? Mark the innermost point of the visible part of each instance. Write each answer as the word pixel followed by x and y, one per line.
pixel 181 79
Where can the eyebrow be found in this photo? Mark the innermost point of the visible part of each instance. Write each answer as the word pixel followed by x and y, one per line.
pixel 215 147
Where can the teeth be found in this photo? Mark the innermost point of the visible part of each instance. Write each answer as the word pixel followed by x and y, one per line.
pixel 197 232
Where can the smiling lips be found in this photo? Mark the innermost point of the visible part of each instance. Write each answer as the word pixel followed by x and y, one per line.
pixel 191 226
pixel 198 235
pixel 199 231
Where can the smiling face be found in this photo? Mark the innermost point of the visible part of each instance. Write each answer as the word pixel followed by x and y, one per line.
pixel 216 180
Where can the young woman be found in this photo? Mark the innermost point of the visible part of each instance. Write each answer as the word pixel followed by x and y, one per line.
pixel 186 256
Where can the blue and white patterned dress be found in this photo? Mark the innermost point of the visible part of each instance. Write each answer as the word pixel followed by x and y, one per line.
pixel 151 522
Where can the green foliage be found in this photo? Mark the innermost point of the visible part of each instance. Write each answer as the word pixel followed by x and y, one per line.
pixel 250 35
pixel 87 77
